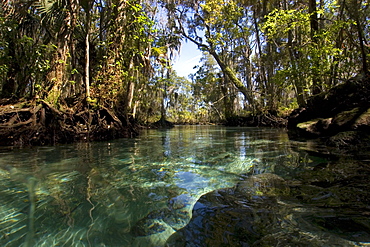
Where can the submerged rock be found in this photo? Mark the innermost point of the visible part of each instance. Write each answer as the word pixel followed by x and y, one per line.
pixel 147 227
pixel 173 217
pixel 266 184
pixel 223 218
pixel 346 139
pixel 237 216
pixel 261 211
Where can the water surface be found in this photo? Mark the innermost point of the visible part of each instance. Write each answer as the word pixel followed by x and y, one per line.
pixel 141 191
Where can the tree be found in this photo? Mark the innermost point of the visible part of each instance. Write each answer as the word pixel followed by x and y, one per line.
pixel 203 27
pixel 60 19
pixel 356 10
pixel 314 26
pixel 209 89
pixel 260 56
pixel 87 6
pixel 25 56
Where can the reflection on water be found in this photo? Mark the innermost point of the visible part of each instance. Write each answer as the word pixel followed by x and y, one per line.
pixel 139 192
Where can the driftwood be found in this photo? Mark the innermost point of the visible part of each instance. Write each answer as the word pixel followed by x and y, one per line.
pixel 38 122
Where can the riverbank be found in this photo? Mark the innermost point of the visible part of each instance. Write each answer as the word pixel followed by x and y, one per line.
pixel 37 122
pixel 339 118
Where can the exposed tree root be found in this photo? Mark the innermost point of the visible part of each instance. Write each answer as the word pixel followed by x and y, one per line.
pixel 40 123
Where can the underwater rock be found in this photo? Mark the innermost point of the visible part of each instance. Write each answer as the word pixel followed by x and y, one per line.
pixel 256 213
pixel 146 227
pixel 181 201
pixel 177 219
pixel 345 139
pixel 175 216
pixel 266 184
pixel 225 218
pixel 237 216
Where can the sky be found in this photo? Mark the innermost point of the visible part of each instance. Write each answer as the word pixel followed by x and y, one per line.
pixel 188 58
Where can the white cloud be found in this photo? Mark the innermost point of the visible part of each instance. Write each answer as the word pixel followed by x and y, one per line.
pixel 193 60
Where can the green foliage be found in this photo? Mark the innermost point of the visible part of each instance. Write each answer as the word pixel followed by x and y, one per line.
pixel 280 22
pixel 289 30
pixel 265 54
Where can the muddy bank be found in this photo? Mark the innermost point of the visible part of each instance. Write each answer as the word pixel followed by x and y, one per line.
pixel 37 122
pixel 258 120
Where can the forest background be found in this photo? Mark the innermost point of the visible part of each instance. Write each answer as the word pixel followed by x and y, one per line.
pixel 110 63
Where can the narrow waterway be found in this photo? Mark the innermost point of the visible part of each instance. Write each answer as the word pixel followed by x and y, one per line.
pixel 153 191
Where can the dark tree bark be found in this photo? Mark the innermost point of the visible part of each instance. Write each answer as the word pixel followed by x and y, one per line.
pixel 314 25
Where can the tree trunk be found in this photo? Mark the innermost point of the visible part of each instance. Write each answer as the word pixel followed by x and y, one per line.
pixel 125 97
pixel 57 75
pixel 270 87
pixel 262 76
pixel 356 16
pixel 164 94
pixel 228 100
pixel 297 82
pixel 314 26
pixel 10 86
pixel 77 87
pixel 338 44
pixel 248 77
pixel 227 71
pixel 87 56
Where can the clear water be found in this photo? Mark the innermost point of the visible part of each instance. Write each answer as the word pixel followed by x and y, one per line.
pixel 138 192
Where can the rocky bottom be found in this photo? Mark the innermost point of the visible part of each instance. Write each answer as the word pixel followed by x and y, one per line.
pixel 327 206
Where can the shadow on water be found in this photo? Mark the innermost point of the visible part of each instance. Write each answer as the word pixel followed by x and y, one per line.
pixel 187 186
